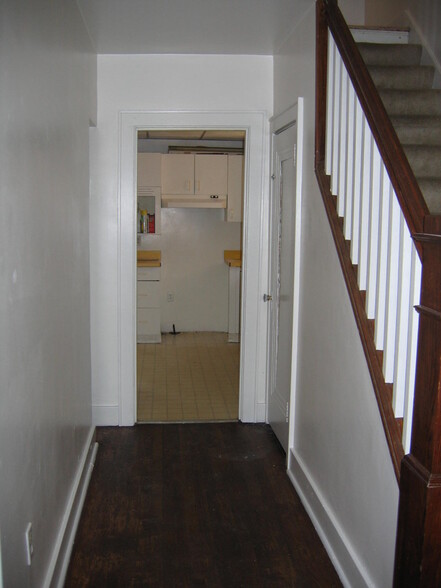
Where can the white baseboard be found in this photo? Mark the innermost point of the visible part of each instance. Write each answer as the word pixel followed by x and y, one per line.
pixel 345 561
pixel 59 562
pixel 105 415
pixel 261 412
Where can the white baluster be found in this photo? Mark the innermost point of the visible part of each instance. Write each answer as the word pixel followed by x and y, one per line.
pixel 358 152
pixel 336 124
pixel 329 105
pixel 350 161
pixel 374 235
pixel 412 348
pixel 383 256
pixel 365 204
pixel 341 193
pixel 405 264
pixel 392 289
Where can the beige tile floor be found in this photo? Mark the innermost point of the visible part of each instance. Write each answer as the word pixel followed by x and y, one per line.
pixel 188 377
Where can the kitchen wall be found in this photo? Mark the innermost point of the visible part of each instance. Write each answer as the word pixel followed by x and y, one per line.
pixel 148 83
pixel 340 462
pixel 193 271
pixel 47 98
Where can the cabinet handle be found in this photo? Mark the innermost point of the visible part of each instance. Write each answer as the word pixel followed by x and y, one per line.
pixel 214 196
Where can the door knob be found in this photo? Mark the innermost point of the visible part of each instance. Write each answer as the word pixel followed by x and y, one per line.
pixel 267 297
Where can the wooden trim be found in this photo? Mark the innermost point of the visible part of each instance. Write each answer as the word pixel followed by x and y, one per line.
pixel 427 238
pixel 382 390
pixel 401 175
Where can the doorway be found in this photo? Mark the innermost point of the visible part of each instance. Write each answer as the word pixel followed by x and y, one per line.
pixel 283 297
pixel 190 188
pixel 252 381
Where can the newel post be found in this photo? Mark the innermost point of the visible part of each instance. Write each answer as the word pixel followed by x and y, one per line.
pixel 418 548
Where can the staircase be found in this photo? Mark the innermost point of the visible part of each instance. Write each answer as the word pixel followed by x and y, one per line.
pixel 405 87
pixel 378 167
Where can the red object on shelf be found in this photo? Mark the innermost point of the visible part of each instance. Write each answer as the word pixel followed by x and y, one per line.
pixel 152 223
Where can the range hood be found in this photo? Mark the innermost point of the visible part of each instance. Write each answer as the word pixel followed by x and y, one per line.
pixel 186 201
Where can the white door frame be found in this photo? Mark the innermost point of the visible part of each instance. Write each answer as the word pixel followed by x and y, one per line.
pixel 293 114
pixel 252 395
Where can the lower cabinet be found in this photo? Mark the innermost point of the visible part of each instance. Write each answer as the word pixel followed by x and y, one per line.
pixel 148 305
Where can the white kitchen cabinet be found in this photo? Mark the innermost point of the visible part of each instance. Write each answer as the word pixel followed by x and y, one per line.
pixel 148 305
pixel 194 181
pixel 210 173
pixel 177 173
pixel 149 169
pixel 234 210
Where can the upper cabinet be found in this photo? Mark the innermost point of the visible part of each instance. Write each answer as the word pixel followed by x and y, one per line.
pixel 177 173
pixel 149 169
pixel 190 180
pixel 233 213
pixel 211 175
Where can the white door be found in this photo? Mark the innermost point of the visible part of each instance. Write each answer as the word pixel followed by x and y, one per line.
pixel 283 208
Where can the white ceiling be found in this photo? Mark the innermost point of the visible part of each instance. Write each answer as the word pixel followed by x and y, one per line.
pixel 235 27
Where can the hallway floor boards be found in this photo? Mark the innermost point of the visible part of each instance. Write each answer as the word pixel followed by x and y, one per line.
pixel 187 505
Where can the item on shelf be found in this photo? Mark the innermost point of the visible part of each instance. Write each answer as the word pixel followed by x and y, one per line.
pixel 151 223
pixel 144 222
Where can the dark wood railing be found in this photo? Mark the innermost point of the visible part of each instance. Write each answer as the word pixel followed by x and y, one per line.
pixel 418 551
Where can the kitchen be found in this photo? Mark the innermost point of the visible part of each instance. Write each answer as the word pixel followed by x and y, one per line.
pixel 189 234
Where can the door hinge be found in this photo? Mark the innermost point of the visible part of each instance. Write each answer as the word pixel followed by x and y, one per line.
pixel 294 155
pixel 267 297
pixel 287 412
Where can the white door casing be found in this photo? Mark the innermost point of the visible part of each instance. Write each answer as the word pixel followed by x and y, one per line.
pixel 286 149
pixel 252 396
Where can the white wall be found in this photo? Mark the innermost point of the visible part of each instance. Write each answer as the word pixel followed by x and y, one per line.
pixel 47 96
pixel 340 455
pixel 192 244
pixel 145 83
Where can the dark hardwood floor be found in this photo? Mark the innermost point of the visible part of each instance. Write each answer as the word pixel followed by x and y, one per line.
pixel 187 505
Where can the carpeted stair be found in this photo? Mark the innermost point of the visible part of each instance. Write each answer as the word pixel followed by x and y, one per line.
pixel 405 87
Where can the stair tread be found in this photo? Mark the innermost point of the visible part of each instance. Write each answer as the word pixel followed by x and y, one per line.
pixel 418 120
pixel 411 102
pixel 390 54
pixel 425 160
pixel 406 77
pixel 431 189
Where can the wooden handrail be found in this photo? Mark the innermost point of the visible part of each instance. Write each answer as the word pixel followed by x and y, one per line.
pixel 400 173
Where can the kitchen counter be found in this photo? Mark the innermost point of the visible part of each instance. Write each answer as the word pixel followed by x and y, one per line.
pixel 148 258
pixel 233 257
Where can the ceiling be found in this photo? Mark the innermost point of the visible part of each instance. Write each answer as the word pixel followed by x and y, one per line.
pixel 230 27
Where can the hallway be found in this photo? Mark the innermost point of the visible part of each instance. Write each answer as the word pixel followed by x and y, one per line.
pixel 195 505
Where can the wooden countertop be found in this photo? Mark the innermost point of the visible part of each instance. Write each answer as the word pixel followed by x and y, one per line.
pixel 233 257
pixel 148 258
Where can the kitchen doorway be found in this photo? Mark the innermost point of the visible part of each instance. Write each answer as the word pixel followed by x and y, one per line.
pixel 253 340
pixel 190 186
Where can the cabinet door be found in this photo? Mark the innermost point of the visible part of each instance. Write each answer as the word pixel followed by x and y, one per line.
pixel 235 188
pixel 148 294
pixel 177 173
pixel 149 169
pixel 211 175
